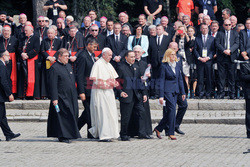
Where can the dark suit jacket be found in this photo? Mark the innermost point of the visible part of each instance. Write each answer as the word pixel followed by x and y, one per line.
pixel 119 49
pixel 156 52
pixel 244 42
pixel 5 83
pixel 220 44
pixel 130 82
pixel 198 46
pixel 38 32
pixel 245 76
pixel 171 82
pixel 84 64
pixel 101 39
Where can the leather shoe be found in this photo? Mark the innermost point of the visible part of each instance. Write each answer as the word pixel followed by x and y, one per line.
pixel 177 130
pixel 64 140
pixel 8 138
pixel 125 138
pixel 105 140
pixel 144 137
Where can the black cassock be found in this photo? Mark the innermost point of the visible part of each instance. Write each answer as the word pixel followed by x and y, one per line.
pixel 11 45
pixel 48 48
pixel 62 88
pixel 134 120
pixel 29 73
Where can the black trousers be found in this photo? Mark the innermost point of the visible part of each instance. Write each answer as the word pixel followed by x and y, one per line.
pixel 85 118
pixel 248 117
pixel 204 70
pixel 226 69
pixel 154 83
pixel 126 110
pixel 3 121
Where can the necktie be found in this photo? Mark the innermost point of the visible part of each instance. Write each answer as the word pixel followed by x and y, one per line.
pixel 93 57
pixel 204 40
pixel 116 38
pixel 158 41
pixel 213 34
pixel 226 39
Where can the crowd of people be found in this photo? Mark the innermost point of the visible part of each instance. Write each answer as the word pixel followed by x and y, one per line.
pixel 155 59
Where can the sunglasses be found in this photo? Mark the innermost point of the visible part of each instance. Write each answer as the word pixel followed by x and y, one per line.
pixel 227 24
pixel 41 21
pixel 94 30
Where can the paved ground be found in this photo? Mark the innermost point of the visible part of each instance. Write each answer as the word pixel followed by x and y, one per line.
pixel 203 145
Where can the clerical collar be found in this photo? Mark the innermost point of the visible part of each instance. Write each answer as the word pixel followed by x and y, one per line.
pixel 129 63
pixel 138 59
pixel 60 62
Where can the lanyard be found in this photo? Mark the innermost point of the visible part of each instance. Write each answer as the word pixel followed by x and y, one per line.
pixel 41 33
pixel 205 2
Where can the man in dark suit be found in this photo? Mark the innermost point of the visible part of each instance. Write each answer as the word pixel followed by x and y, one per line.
pixel 204 50
pixel 118 44
pixel 41 30
pixel 84 64
pixel 245 41
pixel 5 95
pixel 157 47
pixel 142 20
pixel 94 33
pixel 227 43
pixel 132 95
pixel 245 76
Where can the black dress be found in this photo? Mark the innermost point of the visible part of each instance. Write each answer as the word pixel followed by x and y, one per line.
pixel 62 84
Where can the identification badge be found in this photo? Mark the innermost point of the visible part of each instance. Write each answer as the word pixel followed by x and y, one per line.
pixel 215 66
pixel 41 40
pixel 48 64
pixel 204 52
pixel 55 13
pixel 205 11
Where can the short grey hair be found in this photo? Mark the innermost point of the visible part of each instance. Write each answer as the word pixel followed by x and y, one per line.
pixel 137 47
pixel 151 27
pixel 70 18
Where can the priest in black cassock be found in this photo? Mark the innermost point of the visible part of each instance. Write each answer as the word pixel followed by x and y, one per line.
pixel 49 47
pixel 134 120
pixel 9 43
pixel 62 122
pixel 29 73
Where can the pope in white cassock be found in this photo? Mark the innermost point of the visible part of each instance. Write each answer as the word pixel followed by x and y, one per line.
pixel 104 116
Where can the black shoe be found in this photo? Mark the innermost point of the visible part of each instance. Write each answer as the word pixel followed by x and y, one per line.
pixel 64 140
pixel 105 140
pixel 8 138
pixel 125 138
pixel 144 137
pixel 208 97
pixel 177 130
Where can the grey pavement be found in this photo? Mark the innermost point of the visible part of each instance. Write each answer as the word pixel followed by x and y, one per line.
pixel 203 145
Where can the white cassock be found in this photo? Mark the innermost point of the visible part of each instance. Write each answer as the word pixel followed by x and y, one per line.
pixel 104 115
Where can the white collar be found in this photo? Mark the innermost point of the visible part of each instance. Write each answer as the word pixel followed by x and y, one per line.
pixel 3 62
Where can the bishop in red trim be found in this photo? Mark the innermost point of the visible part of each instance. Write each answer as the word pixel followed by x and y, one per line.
pixel 29 73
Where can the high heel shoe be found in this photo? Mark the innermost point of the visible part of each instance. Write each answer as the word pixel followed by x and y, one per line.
pixel 172 137
pixel 157 133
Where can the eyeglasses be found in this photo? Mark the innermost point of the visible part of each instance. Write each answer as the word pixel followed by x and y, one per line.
pixel 41 21
pixel 227 24
pixel 46 20
pixel 94 30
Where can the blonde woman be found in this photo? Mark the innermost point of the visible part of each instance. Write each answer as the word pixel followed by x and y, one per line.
pixel 171 84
